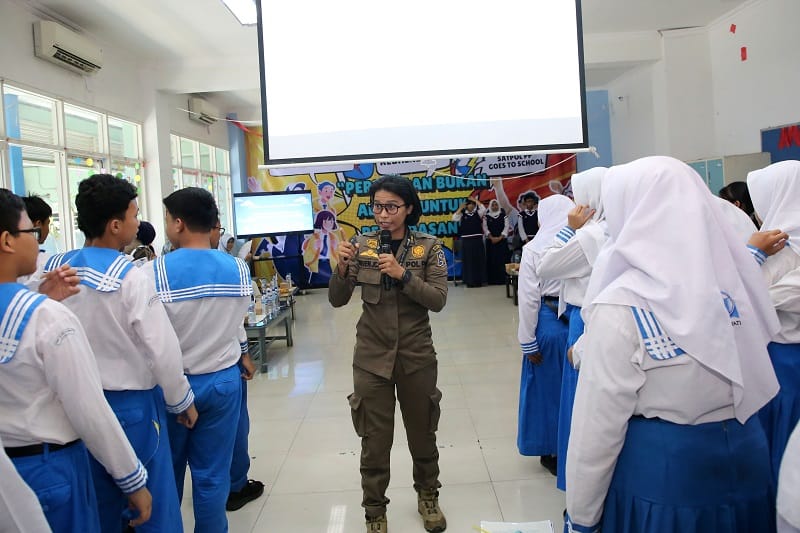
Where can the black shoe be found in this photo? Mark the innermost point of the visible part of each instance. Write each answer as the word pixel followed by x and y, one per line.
pixel 550 462
pixel 251 491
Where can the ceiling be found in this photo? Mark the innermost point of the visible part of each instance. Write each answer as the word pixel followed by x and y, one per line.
pixel 174 34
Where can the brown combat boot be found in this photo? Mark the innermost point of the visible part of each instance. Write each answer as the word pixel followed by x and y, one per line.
pixel 428 506
pixel 377 524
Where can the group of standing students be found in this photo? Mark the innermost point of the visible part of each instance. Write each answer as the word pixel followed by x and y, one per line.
pixel 660 335
pixel 110 395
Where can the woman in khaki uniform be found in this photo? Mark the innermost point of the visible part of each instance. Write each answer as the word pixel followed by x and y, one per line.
pixel 394 349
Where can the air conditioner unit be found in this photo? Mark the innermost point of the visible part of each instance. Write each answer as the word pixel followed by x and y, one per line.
pixel 202 111
pixel 64 47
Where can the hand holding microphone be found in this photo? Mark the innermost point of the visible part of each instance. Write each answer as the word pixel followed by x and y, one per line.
pixel 385 248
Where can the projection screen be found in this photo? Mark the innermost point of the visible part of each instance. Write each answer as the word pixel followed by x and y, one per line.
pixel 359 80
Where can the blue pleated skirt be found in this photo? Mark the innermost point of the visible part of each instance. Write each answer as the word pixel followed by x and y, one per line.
pixel 569 382
pixel 540 389
pixel 702 478
pixel 780 416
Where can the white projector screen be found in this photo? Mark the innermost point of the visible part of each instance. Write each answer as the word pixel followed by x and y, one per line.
pixel 360 80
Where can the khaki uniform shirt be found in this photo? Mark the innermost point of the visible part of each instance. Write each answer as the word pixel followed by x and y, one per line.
pixel 394 326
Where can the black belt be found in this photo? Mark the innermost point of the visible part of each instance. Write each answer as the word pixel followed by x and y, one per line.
pixel 550 299
pixel 37 449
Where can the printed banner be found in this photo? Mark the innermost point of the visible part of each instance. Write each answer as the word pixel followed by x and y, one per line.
pixel 782 143
pixel 342 208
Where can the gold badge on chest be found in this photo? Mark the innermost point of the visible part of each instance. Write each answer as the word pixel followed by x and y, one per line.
pixel 417 251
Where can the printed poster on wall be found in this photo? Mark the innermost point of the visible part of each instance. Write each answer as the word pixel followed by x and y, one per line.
pixel 342 209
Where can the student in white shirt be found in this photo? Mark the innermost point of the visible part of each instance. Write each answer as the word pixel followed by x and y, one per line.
pixel 570 261
pixel 137 351
pixel 52 399
pixel 243 489
pixel 470 232
pixel 542 338
pixel 496 229
pixel 204 291
pixel 775 191
pixel 673 366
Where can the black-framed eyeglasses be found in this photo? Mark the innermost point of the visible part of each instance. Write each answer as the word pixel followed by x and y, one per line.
pixel 221 229
pixel 390 208
pixel 36 232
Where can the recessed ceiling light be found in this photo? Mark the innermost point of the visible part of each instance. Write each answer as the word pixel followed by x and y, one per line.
pixel 244 10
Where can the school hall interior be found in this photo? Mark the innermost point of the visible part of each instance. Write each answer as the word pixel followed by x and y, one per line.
pixel 699 80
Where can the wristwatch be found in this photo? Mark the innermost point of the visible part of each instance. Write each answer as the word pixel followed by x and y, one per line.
pixel 406 277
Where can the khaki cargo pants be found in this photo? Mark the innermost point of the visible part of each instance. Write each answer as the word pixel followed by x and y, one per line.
pixel 372 405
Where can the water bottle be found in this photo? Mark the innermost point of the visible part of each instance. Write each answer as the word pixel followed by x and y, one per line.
pixel 264 300
pixel 289 280
pixel 267 303
pixel 251 311
pixel 276 306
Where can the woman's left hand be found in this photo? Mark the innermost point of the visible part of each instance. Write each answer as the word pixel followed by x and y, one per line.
pixel 389 266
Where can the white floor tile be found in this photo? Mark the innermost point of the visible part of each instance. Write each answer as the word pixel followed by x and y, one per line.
pixel 303 446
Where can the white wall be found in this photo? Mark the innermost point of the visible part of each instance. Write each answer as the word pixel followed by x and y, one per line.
pixel 764 90
pixel 124 87
pixel 700 100
pixel 634 114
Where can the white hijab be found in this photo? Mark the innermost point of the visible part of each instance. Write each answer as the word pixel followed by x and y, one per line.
pixel 552 217
pixel 587 189
pixel 775 191
pixel 494 213
pixel 738 219
pixel 670 252
pixel 223 241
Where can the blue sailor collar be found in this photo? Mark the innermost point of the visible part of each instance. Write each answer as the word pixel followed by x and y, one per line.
pixel 102 269
pixel 19 304
pixel 188 274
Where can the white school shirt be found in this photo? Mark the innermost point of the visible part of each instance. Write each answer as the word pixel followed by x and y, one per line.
pixel 20 510
pixel 567 260
pixel 198 324
pixel 51 392
pixel 530 289
pixel 479 209
pixel 133 340
pixel 33 280
pixel 782 273
pixel 504 233
pixel 619 379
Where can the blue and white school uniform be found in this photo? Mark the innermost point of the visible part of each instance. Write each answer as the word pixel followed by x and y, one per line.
pixel 20 510
pixel 673 367
pixel 138 355
pixel 540 331
pixel 52 409
pixel 570 261
pixel 775 191
pixel 206 295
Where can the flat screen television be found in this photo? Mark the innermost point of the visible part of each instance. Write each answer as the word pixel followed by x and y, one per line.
pixel 262 214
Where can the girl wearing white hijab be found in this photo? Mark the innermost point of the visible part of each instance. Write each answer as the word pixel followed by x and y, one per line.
pixel 775 191
pixel 570 261
pixel 226 243
pixel 495 230
pixel 542 337
pixel 738 219
pixel 673 366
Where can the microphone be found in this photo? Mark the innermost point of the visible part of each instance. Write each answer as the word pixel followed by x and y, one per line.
pixel 386 248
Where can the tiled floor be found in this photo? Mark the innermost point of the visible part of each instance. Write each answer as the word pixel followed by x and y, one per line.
pixel 304 449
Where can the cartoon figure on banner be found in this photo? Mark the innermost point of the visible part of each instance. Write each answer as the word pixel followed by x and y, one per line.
pixel 319 249
pixel 326 191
